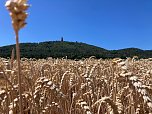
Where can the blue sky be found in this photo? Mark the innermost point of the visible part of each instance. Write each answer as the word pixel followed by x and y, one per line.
pixel 110 24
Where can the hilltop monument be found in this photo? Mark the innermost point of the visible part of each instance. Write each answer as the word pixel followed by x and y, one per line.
pixel 62 39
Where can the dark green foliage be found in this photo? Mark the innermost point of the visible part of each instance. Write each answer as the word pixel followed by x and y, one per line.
pixel 71 50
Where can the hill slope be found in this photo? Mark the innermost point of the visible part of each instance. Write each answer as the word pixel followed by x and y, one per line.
pixel 56 49
pixel 73 50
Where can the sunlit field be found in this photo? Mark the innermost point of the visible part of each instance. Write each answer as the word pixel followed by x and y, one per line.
pixel 80 86
pixel 86 86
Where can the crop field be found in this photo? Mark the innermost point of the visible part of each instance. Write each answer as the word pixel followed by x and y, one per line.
pixel 86 86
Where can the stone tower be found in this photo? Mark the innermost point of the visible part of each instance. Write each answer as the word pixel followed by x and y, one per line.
pixel 62 39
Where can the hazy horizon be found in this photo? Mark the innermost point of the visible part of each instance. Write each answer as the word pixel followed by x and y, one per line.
pixel 107 24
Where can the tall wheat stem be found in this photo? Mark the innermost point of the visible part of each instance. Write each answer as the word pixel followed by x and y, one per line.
pixel 19 71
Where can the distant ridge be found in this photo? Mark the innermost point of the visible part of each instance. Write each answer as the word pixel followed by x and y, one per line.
pixel 71 50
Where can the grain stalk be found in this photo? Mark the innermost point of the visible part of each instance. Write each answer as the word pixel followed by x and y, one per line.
pixel 17 12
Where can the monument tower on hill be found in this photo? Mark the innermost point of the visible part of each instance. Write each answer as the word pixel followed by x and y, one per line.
pixel 62 39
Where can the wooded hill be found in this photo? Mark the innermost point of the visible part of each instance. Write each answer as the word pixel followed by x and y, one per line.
pixel 71 50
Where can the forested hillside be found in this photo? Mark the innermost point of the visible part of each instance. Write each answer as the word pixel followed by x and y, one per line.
pixel 71 50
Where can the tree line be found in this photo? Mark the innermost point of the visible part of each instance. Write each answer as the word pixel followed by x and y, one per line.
pixel 71 50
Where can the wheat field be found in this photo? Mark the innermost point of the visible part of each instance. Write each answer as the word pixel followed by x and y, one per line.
pixel 86 86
